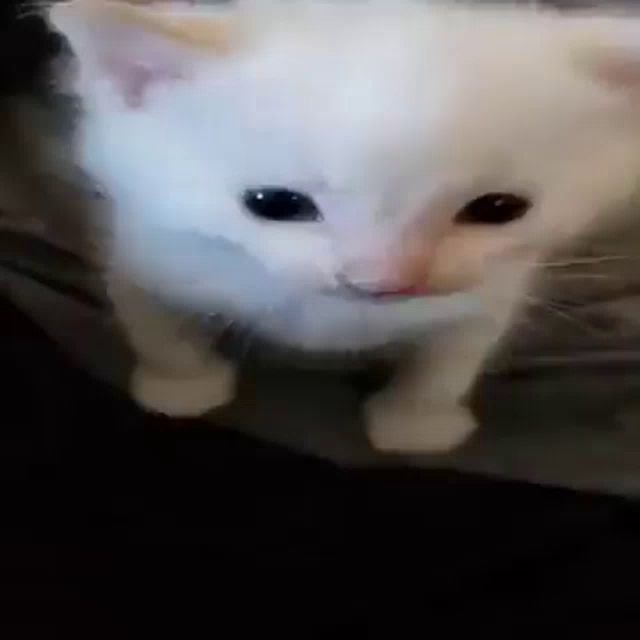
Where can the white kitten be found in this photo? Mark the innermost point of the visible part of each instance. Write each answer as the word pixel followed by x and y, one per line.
pixel 325 170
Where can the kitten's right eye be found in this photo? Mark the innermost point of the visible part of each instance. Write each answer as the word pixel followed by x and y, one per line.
pixel 494 209
pixel 280 205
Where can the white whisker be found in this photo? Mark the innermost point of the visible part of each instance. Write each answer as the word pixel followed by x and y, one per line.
pixel 561 264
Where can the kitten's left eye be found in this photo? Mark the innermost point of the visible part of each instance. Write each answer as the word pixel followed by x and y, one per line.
pixel 280 205
pixel 493 208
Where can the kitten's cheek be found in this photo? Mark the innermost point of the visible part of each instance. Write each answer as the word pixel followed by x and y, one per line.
pixel 466 263
pixel 305 279
pixel 304 261
pixel 448 277
pixel 309 270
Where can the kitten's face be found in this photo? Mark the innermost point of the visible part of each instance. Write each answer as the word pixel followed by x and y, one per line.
pixel 354 150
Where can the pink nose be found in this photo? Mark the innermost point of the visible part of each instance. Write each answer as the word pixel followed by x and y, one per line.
pixel 386 274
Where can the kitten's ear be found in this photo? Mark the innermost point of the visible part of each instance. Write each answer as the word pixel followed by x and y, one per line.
pixel 136 47
pixel 612 56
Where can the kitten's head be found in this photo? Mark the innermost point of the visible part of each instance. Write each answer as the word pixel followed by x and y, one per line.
pixel 381 149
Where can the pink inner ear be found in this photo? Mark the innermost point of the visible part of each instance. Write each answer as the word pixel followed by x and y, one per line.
pixel 624 72
pixel 134 80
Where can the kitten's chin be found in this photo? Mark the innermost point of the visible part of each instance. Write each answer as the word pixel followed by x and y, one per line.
pixel 329 323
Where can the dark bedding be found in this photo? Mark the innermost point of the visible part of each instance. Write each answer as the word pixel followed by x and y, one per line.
pixel 116 524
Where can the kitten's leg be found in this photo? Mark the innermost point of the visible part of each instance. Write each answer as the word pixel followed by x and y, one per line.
pixel 424 409
pixel 176 372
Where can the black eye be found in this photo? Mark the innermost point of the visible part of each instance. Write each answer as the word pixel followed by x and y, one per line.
pixel 280 205
pixel 493 208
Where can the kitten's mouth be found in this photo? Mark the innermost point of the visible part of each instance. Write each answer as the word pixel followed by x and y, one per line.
pixel 378 291
pixel 380 295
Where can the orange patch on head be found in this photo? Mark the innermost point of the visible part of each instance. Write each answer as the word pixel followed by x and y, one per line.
pixel 201 32
pixel 414 263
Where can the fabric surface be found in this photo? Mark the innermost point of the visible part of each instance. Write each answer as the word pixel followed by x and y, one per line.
pixel 116 524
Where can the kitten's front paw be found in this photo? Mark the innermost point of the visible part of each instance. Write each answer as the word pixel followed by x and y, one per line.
pixel 397 427
pixel 182 396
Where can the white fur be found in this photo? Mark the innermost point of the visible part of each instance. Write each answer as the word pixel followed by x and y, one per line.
pixel 391 117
